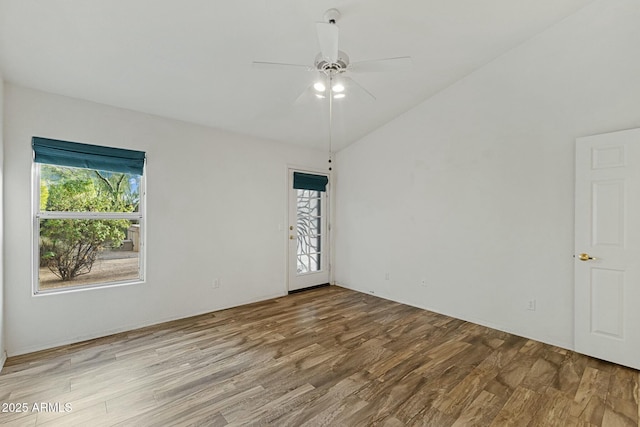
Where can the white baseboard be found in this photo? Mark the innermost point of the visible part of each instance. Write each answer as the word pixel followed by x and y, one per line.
pixel 470 319
pixel 132 327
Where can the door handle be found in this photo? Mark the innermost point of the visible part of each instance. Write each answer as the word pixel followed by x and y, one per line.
pixel 585 257
pixel 290 237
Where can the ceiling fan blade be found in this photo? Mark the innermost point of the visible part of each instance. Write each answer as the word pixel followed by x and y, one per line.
pixel 310 94
pixel 328 38
pixel 304 97
pixel 350 84
pixel 280 65
pixel 401 63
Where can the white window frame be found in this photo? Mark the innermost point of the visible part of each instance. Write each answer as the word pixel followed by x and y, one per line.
pixel 37 215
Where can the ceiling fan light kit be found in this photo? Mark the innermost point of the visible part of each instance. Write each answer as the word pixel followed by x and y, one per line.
pixel 336 90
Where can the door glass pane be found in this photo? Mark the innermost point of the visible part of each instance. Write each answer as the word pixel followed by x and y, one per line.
pixel 303 263
pixel 309 223
pixel 314 261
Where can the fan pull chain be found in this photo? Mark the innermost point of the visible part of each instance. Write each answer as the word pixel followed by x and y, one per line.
pixel 330 117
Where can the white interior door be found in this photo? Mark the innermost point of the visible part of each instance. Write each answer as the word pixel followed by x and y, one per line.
pixel 308 236
pixel 607 247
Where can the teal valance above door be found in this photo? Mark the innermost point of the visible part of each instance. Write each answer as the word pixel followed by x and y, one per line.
pixel 307 181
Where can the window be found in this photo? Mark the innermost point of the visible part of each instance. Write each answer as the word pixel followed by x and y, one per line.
pixel 89 216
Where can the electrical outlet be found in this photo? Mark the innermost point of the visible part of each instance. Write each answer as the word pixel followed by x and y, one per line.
pixel 531 305
pixel 216 283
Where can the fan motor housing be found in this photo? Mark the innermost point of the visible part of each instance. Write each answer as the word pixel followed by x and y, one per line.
pixel 340 66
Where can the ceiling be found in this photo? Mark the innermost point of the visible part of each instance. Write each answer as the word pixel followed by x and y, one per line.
pixel 192 59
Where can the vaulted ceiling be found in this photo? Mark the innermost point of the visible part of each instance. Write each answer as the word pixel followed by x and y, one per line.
pixel 192 59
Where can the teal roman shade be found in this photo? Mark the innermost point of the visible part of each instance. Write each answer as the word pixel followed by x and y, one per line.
pixel 307 181
pixel 74 154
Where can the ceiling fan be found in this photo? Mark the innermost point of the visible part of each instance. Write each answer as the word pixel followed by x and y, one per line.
pixel 334 63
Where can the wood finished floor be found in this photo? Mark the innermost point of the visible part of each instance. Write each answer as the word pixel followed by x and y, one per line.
pixel 329 356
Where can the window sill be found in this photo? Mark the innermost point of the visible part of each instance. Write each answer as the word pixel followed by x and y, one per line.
pixel 84 288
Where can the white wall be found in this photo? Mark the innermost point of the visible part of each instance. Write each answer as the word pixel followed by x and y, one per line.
pixel 473 189
pixel 2 310
pixel 216 208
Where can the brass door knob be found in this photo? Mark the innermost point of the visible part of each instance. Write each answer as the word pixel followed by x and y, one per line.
pixel 290 237
pixel 585 257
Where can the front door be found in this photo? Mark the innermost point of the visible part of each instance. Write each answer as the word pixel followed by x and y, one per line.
pixel 308 230
pixel 607 247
